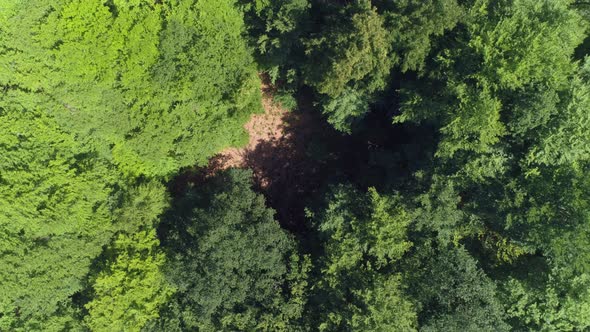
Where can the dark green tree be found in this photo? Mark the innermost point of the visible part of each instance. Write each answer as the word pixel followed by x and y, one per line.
pixel 513 144
pixel 233 266
pixel 348 61
pixel 276 28
pixel 357 287
pixel 414 24
pixel 453 292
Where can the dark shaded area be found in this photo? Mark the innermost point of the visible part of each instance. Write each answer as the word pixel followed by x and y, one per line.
pixel 582 50
pixel 296 168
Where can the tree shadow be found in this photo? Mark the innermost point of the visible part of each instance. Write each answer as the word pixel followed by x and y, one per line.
pixel 283 170
pixel 293 169
pixel 191 176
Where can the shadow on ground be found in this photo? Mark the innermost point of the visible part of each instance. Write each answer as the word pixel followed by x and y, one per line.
pixel 292 168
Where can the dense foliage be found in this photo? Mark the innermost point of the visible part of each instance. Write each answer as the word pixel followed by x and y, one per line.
pixel 101 101
pixel 453 163
pixel 233 266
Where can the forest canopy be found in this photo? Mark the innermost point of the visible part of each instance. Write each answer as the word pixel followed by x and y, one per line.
pixel 426 167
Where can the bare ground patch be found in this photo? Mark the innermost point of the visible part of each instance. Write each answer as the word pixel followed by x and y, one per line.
pixel 265 128
pixel 276 154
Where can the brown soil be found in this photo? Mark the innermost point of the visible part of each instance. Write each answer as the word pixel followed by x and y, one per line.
pixel 295 154
pixel 263 129
pixel 276 154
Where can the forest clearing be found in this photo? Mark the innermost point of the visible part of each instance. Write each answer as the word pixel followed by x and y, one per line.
pixel 295 165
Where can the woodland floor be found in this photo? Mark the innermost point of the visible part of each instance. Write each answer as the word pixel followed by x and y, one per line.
pixel 294 154
pixel 276 154
pixel 276 128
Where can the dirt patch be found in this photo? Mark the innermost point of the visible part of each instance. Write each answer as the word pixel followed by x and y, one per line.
pixel 281 155
pixel 262 128
pixel 294 155
pixel 277 155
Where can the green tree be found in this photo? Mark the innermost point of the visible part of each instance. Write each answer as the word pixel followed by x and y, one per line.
pixel 356 286
pixel 152 86
pixel 437 214
pixel 565 140
pixel 100 101
pixel 500 57
pixel 350 56
pixel 276 28
pixel 60 205
pixel 414 24
pixel 55 212
pixel 130 288
pixel 233 266
pixel 549 301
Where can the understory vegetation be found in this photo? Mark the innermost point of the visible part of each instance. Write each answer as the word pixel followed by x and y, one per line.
pixel 439 182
